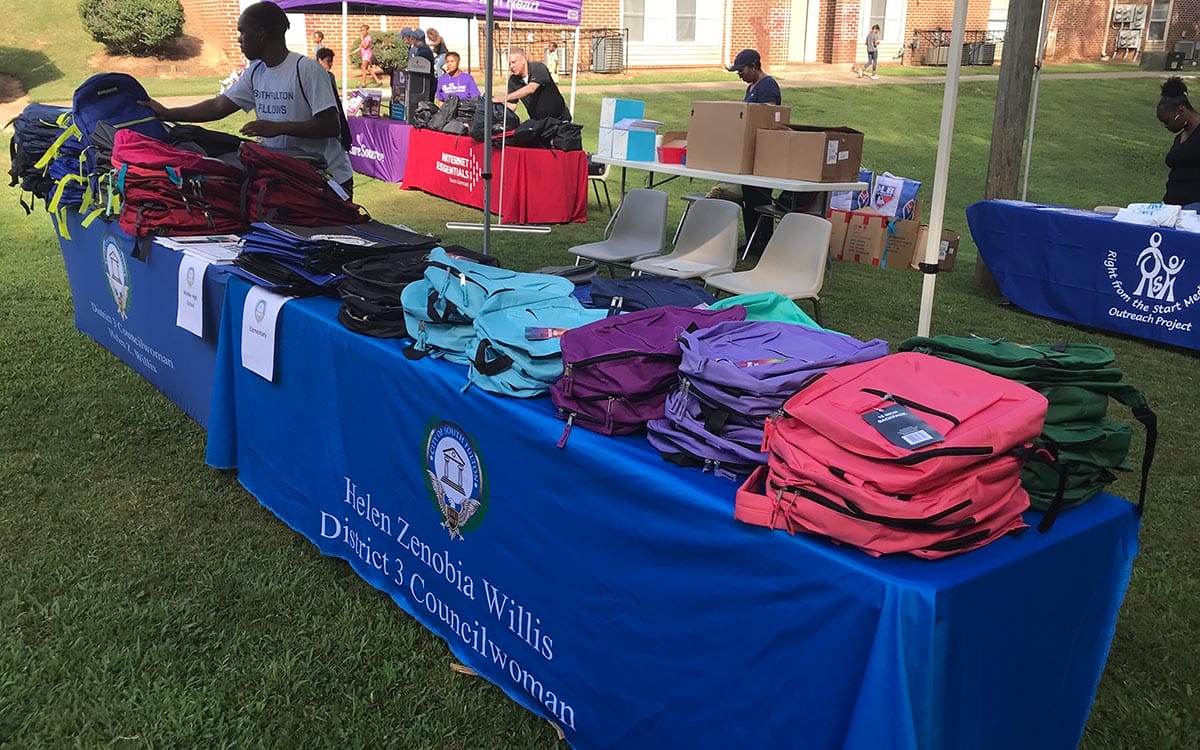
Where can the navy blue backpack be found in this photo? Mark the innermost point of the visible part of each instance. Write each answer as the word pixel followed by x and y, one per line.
pixel 645 292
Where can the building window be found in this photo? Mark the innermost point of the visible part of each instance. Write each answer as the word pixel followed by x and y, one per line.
pixel 685 20
pixel 1160 15
pixel 878 16
pixel 635 19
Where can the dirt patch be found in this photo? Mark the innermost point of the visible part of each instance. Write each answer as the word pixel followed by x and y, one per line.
pixel 13 98
pixel 185 57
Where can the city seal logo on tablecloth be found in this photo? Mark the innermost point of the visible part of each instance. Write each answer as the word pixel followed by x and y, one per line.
pixel 191 276
pixel 454 476
pixel 260 311
pixel 116 273
pixel 1161 292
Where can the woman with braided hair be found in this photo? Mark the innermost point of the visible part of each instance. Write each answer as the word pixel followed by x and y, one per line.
pixel 1176 114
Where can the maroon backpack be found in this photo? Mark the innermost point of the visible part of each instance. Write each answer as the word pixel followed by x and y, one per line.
pixel 285 190
pixel 617 371
pixel 169 190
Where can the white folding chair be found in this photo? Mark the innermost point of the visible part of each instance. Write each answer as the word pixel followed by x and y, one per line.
pixel 707 242
pixel 601 181
pixel 792 264
pixel 638 229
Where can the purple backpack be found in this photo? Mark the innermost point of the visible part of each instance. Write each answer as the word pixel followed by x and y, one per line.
pixel 617 371
pixel 732 376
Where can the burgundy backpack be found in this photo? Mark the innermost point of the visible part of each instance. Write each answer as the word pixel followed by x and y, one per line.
pixel 167 189
pixel 907 453
pixel 286 190
pixel 617 371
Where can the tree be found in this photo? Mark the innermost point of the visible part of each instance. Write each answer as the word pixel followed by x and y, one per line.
pixel 1012 111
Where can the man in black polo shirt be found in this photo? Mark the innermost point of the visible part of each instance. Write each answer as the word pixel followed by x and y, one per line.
pixel 531 82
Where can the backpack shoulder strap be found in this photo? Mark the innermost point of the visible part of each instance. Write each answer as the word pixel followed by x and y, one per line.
pixel 300 83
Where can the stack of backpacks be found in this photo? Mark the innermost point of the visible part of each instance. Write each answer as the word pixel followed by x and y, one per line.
pixel 907 453
pixel 732 376
pixel 617 371
pixel 110 155
pixel 504 325
pixel 1077 380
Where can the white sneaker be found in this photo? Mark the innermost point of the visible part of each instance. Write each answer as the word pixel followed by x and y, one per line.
pixel 874 76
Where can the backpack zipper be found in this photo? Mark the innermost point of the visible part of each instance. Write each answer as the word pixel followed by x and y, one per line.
pixel 912 404
pixel 851 509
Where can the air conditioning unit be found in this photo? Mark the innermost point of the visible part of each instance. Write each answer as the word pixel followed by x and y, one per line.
pixel 1187 49
pixel 1122 14
pixel 608 54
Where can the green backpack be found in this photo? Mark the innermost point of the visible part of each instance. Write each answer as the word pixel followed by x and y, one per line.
pixel 1078 380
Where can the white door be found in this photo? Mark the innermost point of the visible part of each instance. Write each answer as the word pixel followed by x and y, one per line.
pixel 802 34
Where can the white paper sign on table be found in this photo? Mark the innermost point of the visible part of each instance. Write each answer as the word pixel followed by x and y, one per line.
pixel 189 313
pixel 260 314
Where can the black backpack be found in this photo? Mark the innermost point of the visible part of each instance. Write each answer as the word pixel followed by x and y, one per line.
pixel 503 119
pixel 442 116
pixel 567 137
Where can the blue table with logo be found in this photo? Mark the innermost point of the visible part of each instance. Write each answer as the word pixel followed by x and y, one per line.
pixel 1086 268
pixel 128 306
pixel 614 594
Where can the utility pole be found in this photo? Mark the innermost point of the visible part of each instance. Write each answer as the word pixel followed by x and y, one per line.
pixel 1012 111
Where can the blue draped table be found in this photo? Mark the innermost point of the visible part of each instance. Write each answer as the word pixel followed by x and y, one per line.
pixel 614 594
pixel 128 307
pixel 1086 268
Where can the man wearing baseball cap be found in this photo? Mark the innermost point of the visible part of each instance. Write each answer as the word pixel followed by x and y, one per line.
pixel 416 44
pixel 760 89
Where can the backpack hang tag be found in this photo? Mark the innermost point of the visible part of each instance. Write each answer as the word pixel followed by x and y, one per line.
pixel 535 333
pixel 341 192
pixel 901 427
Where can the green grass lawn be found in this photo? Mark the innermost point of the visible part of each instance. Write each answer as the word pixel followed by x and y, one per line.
pixel 149 601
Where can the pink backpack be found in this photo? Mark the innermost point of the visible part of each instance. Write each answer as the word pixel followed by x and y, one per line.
pixel 167 189
pixel 906 453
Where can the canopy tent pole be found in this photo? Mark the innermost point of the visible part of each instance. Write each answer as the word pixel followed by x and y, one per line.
pixel 345 54
pixel 574 70
pixel 1037 79
pixel 941 170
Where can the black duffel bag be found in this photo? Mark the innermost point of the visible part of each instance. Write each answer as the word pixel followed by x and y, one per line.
pixel 503 119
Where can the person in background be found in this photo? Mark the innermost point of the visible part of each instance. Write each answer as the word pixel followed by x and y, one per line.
pixel 325 60
pixel 531 82
pixel 455 82
pixel 437 46
pixel 872 42
pixel 1183 158
pixel 416 44
pixel 367 52
pixel 318 44
pixel 552 60
pixel 293 101
pixel 760 89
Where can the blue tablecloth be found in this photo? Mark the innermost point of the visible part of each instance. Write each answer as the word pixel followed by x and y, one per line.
pixel 128 307
pixel 1085 268
pixel 614 594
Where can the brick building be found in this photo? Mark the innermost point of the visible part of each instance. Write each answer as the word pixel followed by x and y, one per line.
pixel 707 33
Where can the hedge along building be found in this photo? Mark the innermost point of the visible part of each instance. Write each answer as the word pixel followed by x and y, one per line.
pixel 708 33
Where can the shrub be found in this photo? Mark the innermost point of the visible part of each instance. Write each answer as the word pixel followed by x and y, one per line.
pixel 132 26
pixel 391 52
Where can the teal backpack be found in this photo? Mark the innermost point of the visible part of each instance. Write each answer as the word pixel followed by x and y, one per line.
pixel 1078 380
pixel 768 306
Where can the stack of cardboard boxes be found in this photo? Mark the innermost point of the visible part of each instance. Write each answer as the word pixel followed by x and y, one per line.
pixel 868 237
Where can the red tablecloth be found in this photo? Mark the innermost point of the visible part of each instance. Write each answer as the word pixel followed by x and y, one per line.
pixel 538 185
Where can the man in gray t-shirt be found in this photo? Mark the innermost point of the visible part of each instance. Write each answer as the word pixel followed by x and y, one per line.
pixel 290 95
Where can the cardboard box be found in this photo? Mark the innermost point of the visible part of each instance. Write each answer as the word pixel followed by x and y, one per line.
pixel 866 238
pixel 837 237
pixel 613 111
pixel 722 135
pixel 806 152
pixel 906 246
pixel 634 139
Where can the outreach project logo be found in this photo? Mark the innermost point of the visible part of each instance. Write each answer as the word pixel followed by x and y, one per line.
pixel 1155 300
pixel 116 273
pixel 260 311
pixel 454 476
